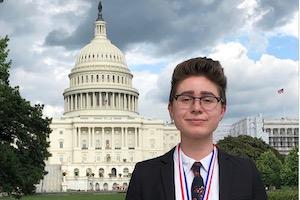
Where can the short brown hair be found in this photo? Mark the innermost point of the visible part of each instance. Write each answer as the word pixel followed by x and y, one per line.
pixel 210 69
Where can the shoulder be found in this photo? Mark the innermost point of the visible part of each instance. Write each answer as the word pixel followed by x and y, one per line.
pixel 236 162
pixel 154 163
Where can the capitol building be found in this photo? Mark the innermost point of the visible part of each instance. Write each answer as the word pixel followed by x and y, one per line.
pixel 95 145
pixel 100 137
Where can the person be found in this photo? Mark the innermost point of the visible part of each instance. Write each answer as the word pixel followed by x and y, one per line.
pixel 196 168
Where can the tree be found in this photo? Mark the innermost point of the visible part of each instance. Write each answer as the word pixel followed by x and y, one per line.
pixel 23 136
pixel 246 146
pixel 269 166
pixel 289 171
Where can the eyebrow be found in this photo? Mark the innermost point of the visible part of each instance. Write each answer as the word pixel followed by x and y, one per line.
pixel 202 93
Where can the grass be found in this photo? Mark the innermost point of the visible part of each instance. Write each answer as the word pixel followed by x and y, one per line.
pixel 74 196
pixel 280 194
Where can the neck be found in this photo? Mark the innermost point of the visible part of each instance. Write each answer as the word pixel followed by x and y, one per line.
pixel 196 149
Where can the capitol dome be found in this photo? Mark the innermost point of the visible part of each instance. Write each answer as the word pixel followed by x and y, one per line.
pixel 100 50
pixel 100 82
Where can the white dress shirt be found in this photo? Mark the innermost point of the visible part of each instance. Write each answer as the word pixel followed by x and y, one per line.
pixel 187 163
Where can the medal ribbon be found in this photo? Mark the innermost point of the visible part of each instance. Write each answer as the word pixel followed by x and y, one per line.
pixel 208 177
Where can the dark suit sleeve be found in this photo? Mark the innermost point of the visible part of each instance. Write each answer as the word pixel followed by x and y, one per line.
pixel 134 189
pixel 259 192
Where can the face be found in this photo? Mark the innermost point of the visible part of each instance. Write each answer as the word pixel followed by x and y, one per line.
pixel 193 121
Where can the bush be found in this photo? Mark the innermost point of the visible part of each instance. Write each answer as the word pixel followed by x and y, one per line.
pixel 284 194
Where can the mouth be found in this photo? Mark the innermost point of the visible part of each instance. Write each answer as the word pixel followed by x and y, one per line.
pixel 196 121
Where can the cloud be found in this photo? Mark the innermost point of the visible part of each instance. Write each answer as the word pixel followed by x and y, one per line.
pixel 45 37
pixel 275 13
pixel 252 85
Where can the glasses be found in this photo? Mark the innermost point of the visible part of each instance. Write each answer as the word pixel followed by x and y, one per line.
pixel 207 102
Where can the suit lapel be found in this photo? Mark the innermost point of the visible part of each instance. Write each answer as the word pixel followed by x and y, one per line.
pixel 167 175
pixel 225 174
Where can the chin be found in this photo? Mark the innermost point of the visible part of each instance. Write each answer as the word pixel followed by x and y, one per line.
pixel 198 134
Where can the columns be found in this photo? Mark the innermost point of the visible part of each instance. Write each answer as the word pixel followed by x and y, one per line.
pixel 102 138
pixel 100 99
pixel 113 101
pixel 122 138
pixel 93 137
pixel 94 100
pixel 112 138
pixel 75 108
pixel 75 137
pixel 71 103
pixel 81 103
pixel 125 101
pixel 119 101
pixel 135 138
pixel 89 141
pixel 125 137
pixel 106 99
pixel 79 137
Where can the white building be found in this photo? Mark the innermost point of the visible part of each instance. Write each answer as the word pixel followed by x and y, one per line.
pixel 101 136
pixel 251 126
pixel 282 134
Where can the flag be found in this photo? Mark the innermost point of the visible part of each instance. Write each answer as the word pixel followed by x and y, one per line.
pixel 280 91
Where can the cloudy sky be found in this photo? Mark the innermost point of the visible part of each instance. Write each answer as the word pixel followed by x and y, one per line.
pixel 256 41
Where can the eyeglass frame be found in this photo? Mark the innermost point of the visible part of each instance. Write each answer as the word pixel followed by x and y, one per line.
pixel 219 99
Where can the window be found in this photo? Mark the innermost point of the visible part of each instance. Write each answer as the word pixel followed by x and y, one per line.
pixel 98 158
pixel 88 172
pixel 113 172
pixel 76 172
pixel 97 145
pixel 61 132
pixel 107 146
pixel 125 170
pixel 296 131
pixel 61 158
pixel 108 158
pixel 61 144
pixel 101 172
pixel 84 145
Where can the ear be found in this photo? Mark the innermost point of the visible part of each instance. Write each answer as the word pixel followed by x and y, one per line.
pixel 223 110
pixel 170 108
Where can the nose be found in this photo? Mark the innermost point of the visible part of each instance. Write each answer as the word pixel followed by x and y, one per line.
pixel 196 106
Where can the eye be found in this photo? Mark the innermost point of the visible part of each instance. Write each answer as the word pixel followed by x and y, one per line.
pixel 208 100
pixel 185 98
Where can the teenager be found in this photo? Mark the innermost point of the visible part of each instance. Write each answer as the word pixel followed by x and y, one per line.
pixel 196 169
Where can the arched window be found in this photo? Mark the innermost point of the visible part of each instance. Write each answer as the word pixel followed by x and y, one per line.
pixel 108 158
pixel 88 172
pixel 61 144
pixel 105 186
pixel 113 172
pixel 125 170
pixel 101 172
pixel 97 187
pixel 115 186
pixel 76 172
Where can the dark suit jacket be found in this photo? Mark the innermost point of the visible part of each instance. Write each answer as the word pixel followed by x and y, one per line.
pixel 154 179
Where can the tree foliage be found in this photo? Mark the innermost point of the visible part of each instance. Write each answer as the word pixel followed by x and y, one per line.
pixel 246 146
pixel 270 166
pixel 290 168
pixel 23 136
pixel 4 64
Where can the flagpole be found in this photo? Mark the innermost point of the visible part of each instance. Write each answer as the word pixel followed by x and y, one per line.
pixel 281 92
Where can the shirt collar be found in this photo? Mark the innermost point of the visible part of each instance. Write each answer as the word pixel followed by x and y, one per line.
pixel 188 162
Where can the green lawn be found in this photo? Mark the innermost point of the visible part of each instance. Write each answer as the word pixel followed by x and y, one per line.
pixel 281 194
pixel 73 196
